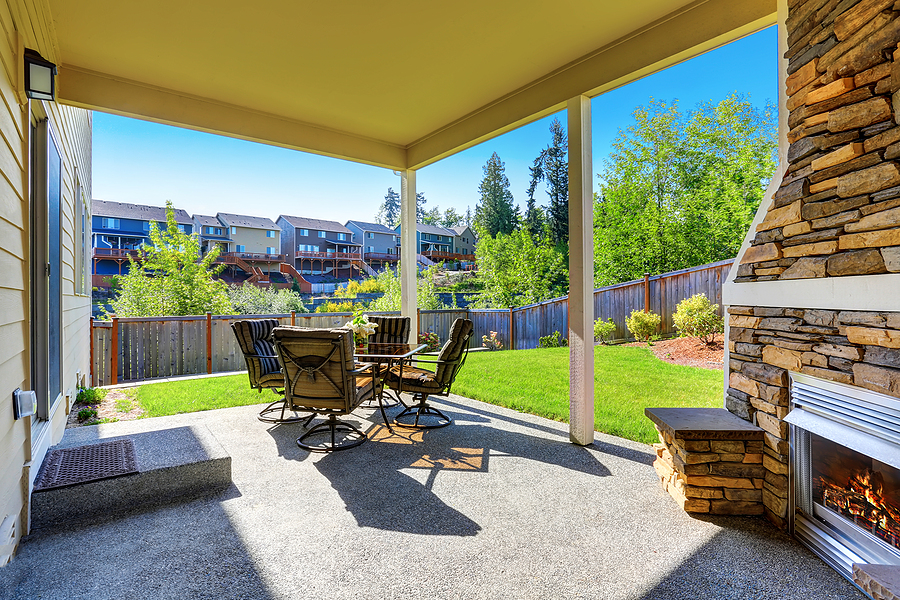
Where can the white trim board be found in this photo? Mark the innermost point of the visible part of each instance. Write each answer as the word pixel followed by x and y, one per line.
pixel 864 292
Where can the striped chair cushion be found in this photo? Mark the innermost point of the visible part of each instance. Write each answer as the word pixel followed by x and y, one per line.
pixel 390 330
pixel 255 338
pixel 414 379
pixel 451 353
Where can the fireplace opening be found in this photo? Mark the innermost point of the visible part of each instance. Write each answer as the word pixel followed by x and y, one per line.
pixel 856 487
pixel 845 466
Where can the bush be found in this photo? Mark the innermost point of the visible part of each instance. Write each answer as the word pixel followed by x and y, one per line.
pixel 491 342
pixel 249 299
pixel 643 325
pixel 603 330
pixel 87 414
pixel 431 340
pixel 554 340
pixel 89 395
pixel 346 306
pixel 697 316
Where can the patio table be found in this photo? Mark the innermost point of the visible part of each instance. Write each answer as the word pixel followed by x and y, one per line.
pixel 386 354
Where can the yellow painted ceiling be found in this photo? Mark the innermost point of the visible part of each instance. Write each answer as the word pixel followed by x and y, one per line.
pixel 392 71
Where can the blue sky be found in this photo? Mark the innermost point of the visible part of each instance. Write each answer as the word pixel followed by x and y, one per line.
pixel 146 163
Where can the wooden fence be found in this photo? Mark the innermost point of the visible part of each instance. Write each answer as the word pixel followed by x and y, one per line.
pixel 137 349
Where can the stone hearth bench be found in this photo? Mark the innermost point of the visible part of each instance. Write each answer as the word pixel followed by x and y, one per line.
pixel 709 460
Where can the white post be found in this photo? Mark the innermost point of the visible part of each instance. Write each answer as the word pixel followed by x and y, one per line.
pixel 581 273
pixel 408 251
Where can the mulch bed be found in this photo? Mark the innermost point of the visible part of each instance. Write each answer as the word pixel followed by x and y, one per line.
pixel 689 351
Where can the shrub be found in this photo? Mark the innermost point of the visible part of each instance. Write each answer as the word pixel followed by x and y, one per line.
pixel 554 340
pixel 335 307
pixel 603 330
pixel 249 299
pixel 491 342
pixel 87 413
pixel 89 395
pixel 643 325
pixel 697 316
pixel 431 340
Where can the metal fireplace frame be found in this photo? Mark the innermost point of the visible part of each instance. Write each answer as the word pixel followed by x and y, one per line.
pixel 859 419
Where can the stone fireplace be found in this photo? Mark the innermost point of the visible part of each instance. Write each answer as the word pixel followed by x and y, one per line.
pixel 814 299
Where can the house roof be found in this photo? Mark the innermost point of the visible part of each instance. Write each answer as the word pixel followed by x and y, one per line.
pixel 434 229
pixel 208 220
pixel 251 222
pixel 139 212
pixel 317 224
pixel 212 68
pixel 373 227
pixel 461 229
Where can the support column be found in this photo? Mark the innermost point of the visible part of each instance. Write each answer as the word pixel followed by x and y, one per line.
pixel 408 251
pixel 581 273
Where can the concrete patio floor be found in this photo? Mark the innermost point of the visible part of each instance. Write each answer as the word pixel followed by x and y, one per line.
pixel 498 505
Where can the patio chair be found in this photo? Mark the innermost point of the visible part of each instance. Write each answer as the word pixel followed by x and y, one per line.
pixel 390 330
pixel 255 340
pixel 422 383
pixel 320 375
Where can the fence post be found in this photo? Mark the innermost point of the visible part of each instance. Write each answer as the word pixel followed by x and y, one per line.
pixel 511 347
pixel 91 363
pixel 114 352
pixel 418 322
pixel 209 343
pixel 646 292
pixel 293 318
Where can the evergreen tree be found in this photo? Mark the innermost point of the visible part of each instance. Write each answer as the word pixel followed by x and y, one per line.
pixel 468 216
pixel 451 218
pixel 432 217
pixel 495 212
pixel 420 207
pixel 389 212
pixel 556 170
pixel 534 218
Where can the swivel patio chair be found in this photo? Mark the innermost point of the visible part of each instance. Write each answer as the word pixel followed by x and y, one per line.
pixel 255 340
pixel 320 375
pixel 422 383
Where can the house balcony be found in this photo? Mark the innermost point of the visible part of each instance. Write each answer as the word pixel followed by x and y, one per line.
pixel 115 253
pixel 329 255
pixel 436 255
pixel 232 257
pixel 381 256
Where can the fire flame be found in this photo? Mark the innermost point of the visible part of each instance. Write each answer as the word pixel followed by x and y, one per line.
pixel 862 500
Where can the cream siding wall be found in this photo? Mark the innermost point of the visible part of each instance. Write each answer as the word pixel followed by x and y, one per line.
pixel 71 128
pixel 256 241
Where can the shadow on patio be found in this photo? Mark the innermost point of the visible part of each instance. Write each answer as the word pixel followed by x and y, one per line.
pixel 498 505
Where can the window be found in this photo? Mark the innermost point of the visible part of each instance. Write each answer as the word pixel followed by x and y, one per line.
pixel 370 248
pixel 181 228
pixel 370 235
pixel 82 258
pixel 342 237
pixel 234 231
pixel 107 223
pixel 270 233
pixel 304 232
pixel 241 248
pixel 214 230
pixel 271 250
pixel 390 250
pixel 307 248
pixel 146 225
pixel 321 234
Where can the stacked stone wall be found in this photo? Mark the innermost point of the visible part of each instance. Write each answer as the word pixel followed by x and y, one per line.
pixel 837 209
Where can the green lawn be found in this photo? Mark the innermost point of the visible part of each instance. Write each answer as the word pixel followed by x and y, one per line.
pixel 192 395
pixel 628 379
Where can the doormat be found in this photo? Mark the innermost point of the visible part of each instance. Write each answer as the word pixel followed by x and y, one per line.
pixel 71 466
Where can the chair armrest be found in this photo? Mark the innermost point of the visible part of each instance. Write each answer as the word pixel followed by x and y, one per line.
pixel 362 367
pixel 260 356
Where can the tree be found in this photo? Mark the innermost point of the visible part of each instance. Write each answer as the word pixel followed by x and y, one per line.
pixel 680 190
pixel 469 221
pixel 248 299
pixel 172 278
pixel 451 218
pixel 432 217
pixel 556 170
pixel 552 166
pixel 519 269
pixel 420 207
pixel 426 291
pixel 495 212
pixel 389 212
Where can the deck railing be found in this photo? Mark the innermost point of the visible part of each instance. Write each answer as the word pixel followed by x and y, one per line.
pixel 135 349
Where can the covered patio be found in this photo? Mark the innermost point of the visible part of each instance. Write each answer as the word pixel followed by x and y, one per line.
pixel 499 505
